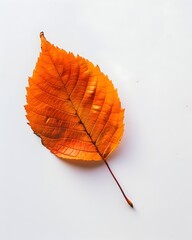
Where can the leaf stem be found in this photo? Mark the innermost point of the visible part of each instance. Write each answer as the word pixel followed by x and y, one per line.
pixel 126 198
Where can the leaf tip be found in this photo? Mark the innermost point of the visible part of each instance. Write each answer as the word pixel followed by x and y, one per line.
pixel 42 34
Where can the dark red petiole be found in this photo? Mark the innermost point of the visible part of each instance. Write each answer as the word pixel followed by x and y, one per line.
pixel 126 198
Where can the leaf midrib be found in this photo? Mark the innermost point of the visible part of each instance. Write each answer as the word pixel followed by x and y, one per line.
pixel 80 121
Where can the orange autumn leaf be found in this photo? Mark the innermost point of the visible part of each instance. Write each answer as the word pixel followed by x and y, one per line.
pixel 73 107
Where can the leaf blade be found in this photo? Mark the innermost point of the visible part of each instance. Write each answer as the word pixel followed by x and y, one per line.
pixel 72 106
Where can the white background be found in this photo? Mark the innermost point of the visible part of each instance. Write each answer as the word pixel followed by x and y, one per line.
pixel 146 49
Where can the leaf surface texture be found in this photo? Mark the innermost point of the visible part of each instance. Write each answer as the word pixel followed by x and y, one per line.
pixel 72 106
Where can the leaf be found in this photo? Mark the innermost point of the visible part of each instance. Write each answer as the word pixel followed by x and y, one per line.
pixel 73 107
